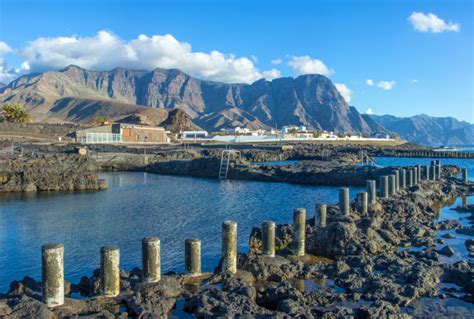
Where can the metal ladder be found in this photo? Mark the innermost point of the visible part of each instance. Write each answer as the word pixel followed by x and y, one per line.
pixel 226 157
pixel 365 159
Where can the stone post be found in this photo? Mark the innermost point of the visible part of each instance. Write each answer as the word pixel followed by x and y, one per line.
pixel 229 247
pixel 268 238
pixel 403 179
pixel 151 260
pixel 372 191
pixel 384 186
pixel 397 180
pixel 109 271
pixel 322 215
pixel 433 172
pixel 53 274
pixel 192 256
pixel 344 200
pixel 363 202
pixel 299 227
pixel 391 184
pixel 410 178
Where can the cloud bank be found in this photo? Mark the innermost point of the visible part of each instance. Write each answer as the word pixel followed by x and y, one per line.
pixel 106 50
pixel 431 23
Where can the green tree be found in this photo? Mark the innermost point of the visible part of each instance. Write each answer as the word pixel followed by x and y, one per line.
pixel 16 113
pixel 100 119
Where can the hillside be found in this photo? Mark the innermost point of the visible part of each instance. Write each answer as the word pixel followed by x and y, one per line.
pixel 311 100
pixel 427 130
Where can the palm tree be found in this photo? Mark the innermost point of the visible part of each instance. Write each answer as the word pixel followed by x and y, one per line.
pixel 15 113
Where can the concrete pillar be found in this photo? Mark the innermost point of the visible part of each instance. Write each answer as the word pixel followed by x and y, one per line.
pixel 151 260
pixel 391 184
pixel 192 256
pixel 463 201
pixel 419 178
pixel 464 174
pixel 344 200
pixel 268 238
pixel 403 179
pixel 53 274
pixel 397 180
pixel 427 172
pixel 415 175
pixel 372 191
pixel 410 178
pixel 384 186
pixel 438 171
pixel 109 271
pixel 322 215
pixel 229 247
pixel 363 202
pixel 433 172
pixel 299 227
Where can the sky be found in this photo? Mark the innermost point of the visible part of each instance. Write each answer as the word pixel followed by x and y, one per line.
pixel 396 57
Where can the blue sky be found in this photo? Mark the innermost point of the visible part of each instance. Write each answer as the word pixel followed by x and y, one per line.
pixel 422 64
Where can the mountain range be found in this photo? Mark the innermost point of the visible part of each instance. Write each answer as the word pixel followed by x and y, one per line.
pixel 427 130
pixel 74 94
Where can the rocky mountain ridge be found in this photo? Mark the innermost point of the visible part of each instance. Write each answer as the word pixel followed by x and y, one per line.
pixel 310 100
pixel 427 130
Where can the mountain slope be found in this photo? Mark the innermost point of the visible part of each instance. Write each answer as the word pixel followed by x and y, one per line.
pixel 311 100
pixel 423 129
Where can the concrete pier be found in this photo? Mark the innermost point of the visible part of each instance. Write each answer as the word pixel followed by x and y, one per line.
pixel 410 178
pixel 192 256
pixel 53 274
pixel 427 172
pixel 397 179
pixel 109 271
pixel 403 179
pixel 415 176
pixel 384 186
pixel 323 208
pixel 299 227
pixel 372 191
pixel 268 238
pixel 151 260
pixel 363 202
pixel 344 201
pixel 229 247
pixel 438 171
pixel 391 185
pixel 419 169
pixel 464 175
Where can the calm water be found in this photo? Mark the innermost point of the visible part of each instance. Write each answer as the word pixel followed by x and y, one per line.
pixel 137 205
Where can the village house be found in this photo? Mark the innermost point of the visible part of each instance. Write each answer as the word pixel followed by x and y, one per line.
pixel 122 133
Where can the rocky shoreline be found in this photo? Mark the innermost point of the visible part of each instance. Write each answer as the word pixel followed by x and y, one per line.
pixel 52 172
pixel 379 263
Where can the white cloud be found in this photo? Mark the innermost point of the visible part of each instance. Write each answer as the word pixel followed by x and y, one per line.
pixel 4 48
pixel 307 65
pixel 345 91
pixel 369 111
pixel 414 81
pixel 277 61
pixel 386 85
pixel 370 82
pixel 7 73
pixel 106 50
pixel 271 74
pixel 431 23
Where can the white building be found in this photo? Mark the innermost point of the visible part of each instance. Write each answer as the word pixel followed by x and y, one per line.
pixel 194 135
